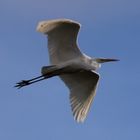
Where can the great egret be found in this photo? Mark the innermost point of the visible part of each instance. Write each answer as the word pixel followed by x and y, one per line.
pixel 77 70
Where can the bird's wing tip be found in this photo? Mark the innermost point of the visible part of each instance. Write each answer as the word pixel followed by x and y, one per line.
pixel 46 25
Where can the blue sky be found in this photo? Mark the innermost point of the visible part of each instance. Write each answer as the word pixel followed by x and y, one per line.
pixel 42 111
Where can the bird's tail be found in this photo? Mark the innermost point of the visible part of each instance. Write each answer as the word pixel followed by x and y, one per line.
pixel 54 70
pixel 48 69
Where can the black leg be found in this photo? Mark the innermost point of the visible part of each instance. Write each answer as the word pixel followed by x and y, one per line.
pixel 28 82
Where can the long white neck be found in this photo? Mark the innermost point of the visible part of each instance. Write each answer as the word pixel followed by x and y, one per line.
pixel 91 62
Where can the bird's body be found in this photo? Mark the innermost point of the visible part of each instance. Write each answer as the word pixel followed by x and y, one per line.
pixel 77 70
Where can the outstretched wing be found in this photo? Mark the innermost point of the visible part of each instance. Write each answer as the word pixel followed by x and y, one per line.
pixel 62 37
pixel 82 87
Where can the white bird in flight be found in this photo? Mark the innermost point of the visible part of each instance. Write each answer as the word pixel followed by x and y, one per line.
pixel 77 70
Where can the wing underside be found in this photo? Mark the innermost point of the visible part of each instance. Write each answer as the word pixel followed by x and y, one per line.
pixel 82 87
pixel 62 41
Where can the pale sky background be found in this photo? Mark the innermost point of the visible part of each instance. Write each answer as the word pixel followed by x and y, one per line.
pixel 110 28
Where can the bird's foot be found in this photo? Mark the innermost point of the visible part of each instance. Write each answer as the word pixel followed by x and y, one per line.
pixel 22 84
